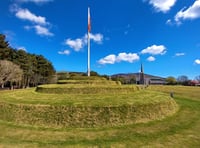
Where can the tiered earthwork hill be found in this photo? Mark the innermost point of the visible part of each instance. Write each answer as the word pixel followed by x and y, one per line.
pixel 87 102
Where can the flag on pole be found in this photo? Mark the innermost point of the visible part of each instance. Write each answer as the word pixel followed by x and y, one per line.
pixel 89 22
pixel 89 29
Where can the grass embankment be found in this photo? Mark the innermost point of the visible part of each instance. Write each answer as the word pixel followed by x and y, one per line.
pixel 86 89
pixel 90 81
pixel 88 110
pixel 179 130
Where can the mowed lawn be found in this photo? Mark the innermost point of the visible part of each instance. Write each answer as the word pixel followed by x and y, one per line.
pixel 179 130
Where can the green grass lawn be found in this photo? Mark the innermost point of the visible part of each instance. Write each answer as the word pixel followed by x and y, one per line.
pixel 30 96
pixel 180 130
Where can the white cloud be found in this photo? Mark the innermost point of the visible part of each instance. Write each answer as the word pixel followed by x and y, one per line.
pixel 76 44
pixel 151 59
pixel 96 37
pixel 162 5
pixel 79 43
pixel 169 22
pixel 112 59
pixel 155 50
pixel 130 57
pixel 197 61
pixel 41 26
pixel 35 1
pixel 25 14
pixel 43 31
pixel 192 12
pixel 179 54
pixel 40 30
pixel 65 52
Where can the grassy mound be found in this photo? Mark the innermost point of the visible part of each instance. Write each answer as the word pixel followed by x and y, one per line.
pixel 81 110
pixel 91 82
pixel 180 130
pixel 86 89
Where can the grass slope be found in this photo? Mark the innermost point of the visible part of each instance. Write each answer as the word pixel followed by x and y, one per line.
pixel 86 89
pixel 179 130
pixel 67 110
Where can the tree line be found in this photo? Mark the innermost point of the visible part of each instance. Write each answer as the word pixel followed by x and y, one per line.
pixel 21 69
pixel 183 80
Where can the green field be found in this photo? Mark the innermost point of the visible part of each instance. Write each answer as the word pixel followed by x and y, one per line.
pixel 180 130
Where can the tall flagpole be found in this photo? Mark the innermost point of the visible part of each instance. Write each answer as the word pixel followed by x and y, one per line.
pixel 89 29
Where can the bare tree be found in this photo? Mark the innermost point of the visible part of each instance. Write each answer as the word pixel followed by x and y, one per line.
pixel 197 78
pixel 9 72
pixel 183 80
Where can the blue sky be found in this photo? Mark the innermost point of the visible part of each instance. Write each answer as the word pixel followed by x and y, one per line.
pixel 162 34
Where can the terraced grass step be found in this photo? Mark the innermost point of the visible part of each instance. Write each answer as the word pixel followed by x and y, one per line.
pixel 90 81
pixel 86 89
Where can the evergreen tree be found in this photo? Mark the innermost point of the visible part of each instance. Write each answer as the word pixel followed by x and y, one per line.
pixel 5 51
pixel 3 43
pixel 36 68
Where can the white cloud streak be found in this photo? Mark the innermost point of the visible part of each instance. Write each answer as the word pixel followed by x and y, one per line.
pixel 169 22
pixel 40 30
pixel 112 59
pixel 151 59
pixel 65 52
pixel 79 43
pixel 197 61
pixel 41 26
pixel 35 1
pixel 25 14
pixel 179 54
pixel 162 5
pixel 155 50
pixel 191 13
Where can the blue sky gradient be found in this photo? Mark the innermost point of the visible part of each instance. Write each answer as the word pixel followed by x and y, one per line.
pixel 163 35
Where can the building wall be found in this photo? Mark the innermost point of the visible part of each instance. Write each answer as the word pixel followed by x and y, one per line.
pixel 151 81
